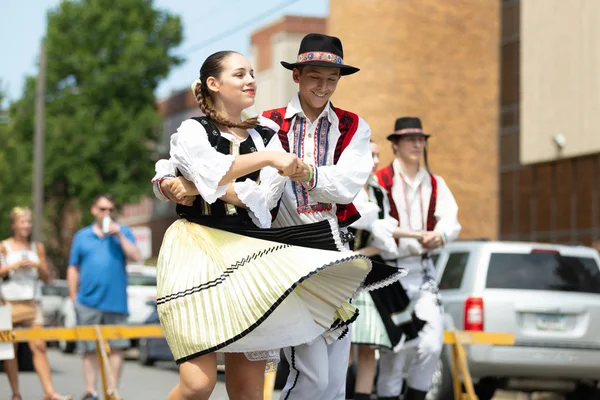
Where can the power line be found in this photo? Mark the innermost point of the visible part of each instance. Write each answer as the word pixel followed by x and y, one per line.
pixel 230 31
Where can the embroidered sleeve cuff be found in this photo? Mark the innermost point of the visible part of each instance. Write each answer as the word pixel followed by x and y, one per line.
pixel 249 193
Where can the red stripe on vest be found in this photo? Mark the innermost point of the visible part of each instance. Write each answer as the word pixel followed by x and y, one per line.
pixel 277 115
pixel 346 213
pixel 385 176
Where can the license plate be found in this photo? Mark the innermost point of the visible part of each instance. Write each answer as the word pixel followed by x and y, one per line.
pixel 551 322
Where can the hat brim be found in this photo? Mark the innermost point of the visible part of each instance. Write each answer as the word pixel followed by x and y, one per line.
pixel 344 69
pixel 394 136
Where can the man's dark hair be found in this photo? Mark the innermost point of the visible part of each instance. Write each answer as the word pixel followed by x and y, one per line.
pixel 106 196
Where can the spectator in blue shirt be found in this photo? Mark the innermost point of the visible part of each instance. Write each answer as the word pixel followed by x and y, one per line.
pixel 97 280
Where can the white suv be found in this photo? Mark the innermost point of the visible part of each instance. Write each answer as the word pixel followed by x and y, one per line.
pixel 547 295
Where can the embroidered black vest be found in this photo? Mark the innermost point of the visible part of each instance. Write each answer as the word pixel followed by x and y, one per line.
pixel 220 211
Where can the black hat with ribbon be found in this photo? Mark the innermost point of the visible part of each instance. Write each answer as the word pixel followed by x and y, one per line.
pixel 321 51
pixel 407 126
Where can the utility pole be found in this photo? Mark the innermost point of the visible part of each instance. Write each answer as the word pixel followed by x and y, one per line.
pixel 38 148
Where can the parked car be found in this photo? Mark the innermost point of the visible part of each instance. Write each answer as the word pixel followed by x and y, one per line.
pixel 54 295
pixel 157 349
pixel 153 349
pixel 141 298
pixel 547 295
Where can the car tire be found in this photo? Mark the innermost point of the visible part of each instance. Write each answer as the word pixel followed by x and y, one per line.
pixel 25 357
pixel 144 357
pixel 584 392
pixel 441 385
pixel 66 347
pixel 486 388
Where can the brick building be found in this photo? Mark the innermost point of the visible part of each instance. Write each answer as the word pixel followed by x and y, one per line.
pixel 496 83
pixel 438 61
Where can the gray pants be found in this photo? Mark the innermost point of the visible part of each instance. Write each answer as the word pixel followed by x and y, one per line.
pixel 91 316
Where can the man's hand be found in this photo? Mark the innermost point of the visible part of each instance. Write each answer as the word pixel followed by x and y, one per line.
pixel 286 163
pixel 114 228
pixel 432 240
pixel 302 172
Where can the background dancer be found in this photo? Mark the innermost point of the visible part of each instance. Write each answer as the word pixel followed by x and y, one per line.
pixel 422 203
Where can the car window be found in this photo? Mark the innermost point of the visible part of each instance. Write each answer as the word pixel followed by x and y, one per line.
pixel 454 271
pixel 543 271
pixel 141 280
pixel 60 291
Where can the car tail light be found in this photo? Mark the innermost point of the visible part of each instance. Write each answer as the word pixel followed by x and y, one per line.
pixel 474 314
pixel 545 251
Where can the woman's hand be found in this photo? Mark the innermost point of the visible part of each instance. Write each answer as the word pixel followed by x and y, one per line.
pixel 183 190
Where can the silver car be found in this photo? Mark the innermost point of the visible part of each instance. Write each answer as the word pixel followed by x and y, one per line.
pixel 547 295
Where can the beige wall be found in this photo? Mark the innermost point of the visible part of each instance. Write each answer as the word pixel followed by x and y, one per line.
pixel 560 78
pixel 439 60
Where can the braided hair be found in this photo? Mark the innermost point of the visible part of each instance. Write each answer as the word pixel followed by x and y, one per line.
pixel 213 66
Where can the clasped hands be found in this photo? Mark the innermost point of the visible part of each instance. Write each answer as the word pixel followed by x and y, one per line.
pixel 429 240
pixel 182 191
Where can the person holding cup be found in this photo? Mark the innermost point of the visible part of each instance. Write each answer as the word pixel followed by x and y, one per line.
pixel 97 281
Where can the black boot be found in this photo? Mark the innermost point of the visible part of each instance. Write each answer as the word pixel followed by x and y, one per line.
pixel 362 396
pixel 388 398
pixel 414 394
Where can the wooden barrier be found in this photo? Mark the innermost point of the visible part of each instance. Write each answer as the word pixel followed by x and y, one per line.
pixel 102 333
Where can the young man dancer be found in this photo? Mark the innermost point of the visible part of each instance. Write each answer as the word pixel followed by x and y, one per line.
pixel 335 149
pixel 422 203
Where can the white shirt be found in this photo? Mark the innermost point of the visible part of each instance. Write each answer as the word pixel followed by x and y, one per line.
pixel 412 202
pixel 314 142
pixel 366 204
pixel 192 154
pixel 23 283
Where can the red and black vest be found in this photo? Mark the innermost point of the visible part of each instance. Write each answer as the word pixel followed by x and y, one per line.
pixel 346 213
pixel 386 179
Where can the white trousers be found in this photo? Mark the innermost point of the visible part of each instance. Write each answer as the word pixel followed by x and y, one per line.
pixel 429 346
pixel 317 370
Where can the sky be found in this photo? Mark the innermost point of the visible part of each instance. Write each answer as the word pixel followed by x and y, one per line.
pixel 23 24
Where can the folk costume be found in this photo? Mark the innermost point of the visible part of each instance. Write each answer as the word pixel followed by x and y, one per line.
pixel 422 204
pixel 336 146
pixel 227 282
pixel 386 318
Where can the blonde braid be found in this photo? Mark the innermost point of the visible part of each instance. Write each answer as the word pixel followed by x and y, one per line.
pixel 205 104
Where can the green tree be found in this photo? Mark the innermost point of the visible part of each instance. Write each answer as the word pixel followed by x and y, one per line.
pixel 15 157
pixel 104 62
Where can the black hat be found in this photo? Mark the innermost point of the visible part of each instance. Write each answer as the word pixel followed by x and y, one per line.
pixel 407 126
pixel 321 51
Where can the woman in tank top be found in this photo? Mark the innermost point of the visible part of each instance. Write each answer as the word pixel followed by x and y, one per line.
pixel 22 266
